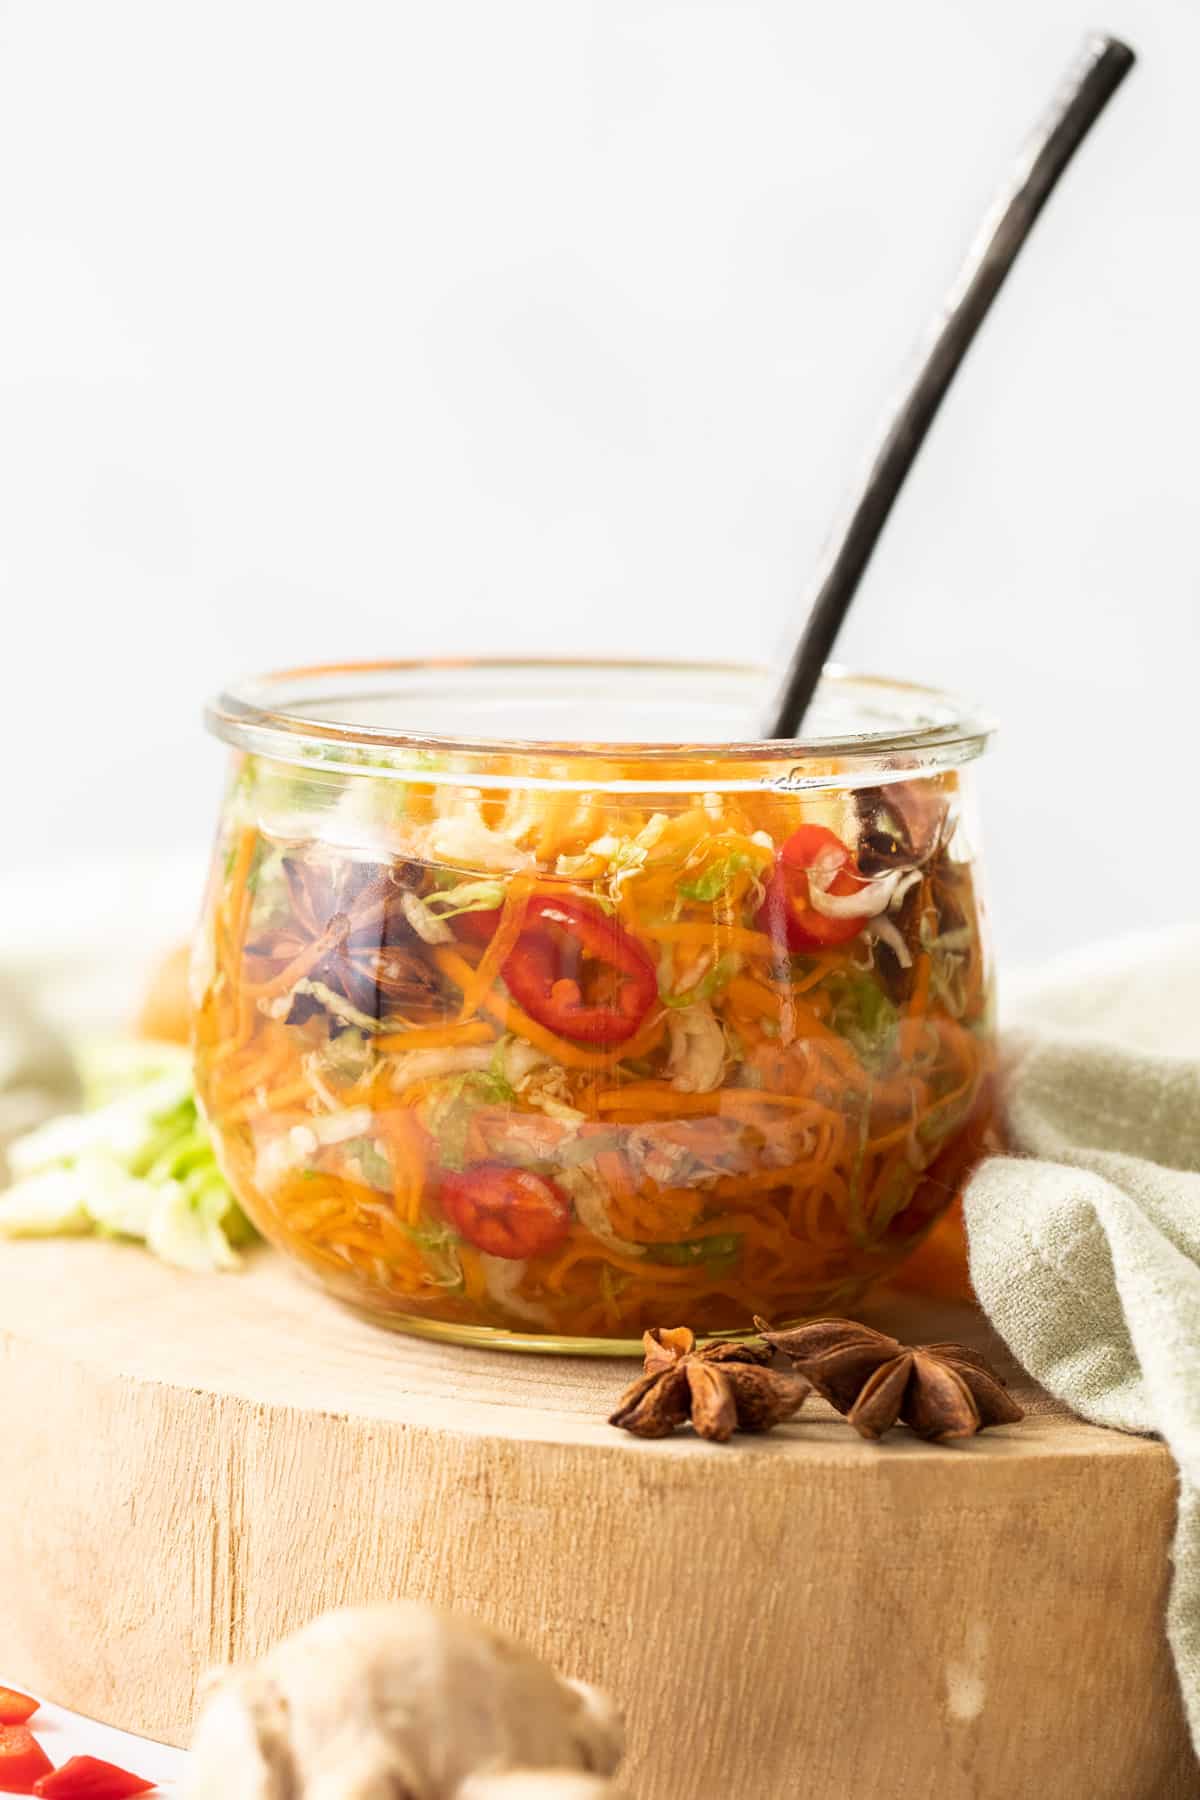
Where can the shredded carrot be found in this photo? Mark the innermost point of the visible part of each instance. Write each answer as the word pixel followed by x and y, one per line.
pixel 404 1140
pixel 256 1104
pixel 473 1281
pixel 727 937
pixel 735 1187
pixel 813 979
pixel 500 948
pixel 920 995
pixel 654 1099
pixel 238 890
pixel 797 1019
pixel 651 1214
pixel 245 1076
pixel 556 818
pixel 587 1248
pixel 753 997
pixel 437 1037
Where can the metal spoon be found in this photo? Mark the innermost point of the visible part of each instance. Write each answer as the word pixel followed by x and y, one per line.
pixel 1088 88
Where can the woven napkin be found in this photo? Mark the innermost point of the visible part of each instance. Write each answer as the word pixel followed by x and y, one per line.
pixel 1085 1248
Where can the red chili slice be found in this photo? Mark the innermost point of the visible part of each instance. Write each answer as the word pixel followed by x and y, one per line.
pixel 15 1707
pixel 573 946
pixel 787 911
pixel 23 1762
pixel 477 927
pixel 506 1211
pixel 87 1778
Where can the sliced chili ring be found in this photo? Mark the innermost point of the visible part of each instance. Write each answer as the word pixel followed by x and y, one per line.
pixel 505 1211
pixel 477 927
pixel 569 948
pixel 787 913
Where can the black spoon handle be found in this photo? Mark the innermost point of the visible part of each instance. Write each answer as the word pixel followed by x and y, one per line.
pixel 1084 95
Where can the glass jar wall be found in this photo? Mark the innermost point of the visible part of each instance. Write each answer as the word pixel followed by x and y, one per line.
pixel 546 1041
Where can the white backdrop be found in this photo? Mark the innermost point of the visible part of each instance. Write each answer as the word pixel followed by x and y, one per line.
pixel 386 327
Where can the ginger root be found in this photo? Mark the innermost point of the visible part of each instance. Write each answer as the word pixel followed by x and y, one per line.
pixel 402 1702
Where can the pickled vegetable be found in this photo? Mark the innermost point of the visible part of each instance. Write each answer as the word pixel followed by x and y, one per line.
pixel 568 1065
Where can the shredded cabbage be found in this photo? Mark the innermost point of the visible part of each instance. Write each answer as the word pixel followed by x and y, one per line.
pixel 697 1059
pixel 49 1204
pixel 537 1078
pixel 589 1197
pixel 443 1264
pixel 711 983
pixel 412 1066
pixel 622 857
pixel 139 1164
pixel 867 902
pixel 468 843
pixel 447 1115
pixel 428 927
pixel 503 1277
pixel 866 1017
pixel 333 1002
pixel 466 896
pixel 717 879
pixel 373 1163
pixel 187 1229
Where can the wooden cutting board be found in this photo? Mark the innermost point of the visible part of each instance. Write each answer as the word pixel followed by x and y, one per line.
pixel 193 1466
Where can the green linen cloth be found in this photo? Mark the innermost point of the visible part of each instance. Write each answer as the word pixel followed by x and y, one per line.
pixel 1085 1248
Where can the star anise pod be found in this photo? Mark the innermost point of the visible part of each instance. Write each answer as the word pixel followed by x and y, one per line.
pixel 900 824
pixel 938 1390
pixel 369 953
pixel 723 1388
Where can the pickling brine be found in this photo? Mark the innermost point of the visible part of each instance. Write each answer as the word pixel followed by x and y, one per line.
pixel 557 1063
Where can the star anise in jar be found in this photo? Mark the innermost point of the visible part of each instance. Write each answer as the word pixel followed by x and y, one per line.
pixel 938 1390
pixel 900 825
pixel 722 1388
pixel 351 913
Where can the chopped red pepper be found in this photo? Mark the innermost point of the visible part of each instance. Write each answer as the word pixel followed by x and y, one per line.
pixel 787 913
pixel 577 971
pixel 22 1760
pixel 15 1707
pixel 87 1778
pixel 478 927
pixel 505 1211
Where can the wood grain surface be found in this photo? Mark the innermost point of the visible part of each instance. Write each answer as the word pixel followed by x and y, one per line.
pixel 193 1466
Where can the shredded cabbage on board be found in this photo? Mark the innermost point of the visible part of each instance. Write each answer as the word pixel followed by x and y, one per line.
pixel 137 1163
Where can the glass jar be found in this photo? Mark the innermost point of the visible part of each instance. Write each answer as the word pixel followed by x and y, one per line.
pixel 626 1022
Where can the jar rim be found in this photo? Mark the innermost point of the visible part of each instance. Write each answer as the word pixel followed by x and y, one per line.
pixel 291 716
